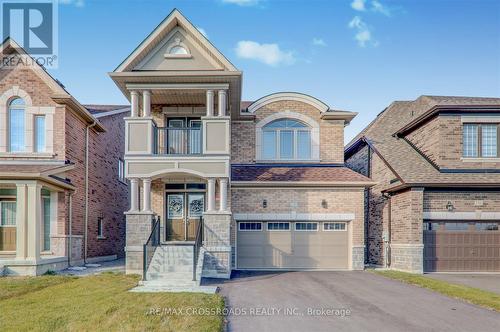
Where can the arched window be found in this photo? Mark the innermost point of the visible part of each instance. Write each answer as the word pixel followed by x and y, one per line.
pixel 178 50
pixel 286 139
pixel 16 125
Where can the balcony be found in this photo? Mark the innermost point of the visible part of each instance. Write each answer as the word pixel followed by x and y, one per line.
pixel 177 141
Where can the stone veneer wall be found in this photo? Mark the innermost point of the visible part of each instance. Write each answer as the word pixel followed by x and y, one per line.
pixel 407 230
pixel 216 241
pixel 138 231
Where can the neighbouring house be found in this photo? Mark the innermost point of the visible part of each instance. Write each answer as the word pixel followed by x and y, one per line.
pixel 436 204
pixel 218 184
pixel 62 185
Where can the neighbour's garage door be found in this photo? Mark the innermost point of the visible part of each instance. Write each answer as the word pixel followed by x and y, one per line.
pixel 292 245
pixel 466 246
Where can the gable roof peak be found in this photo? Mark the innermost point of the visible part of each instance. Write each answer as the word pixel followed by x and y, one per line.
pixel 174 19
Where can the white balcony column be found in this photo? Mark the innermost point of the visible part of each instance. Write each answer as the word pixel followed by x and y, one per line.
pixel 210 102
pixel 146 195
pixel 222 102
pixel 223 194
pixel 134 101
pixel 211 195
pixel 134 195
pixel 146 103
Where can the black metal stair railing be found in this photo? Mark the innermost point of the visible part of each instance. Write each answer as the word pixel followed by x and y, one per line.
pixel 197 245
pixel 151 244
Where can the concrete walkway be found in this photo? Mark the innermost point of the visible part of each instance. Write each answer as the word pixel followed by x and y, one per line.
pixel 320 301
pixel 117 265
pixel 487 282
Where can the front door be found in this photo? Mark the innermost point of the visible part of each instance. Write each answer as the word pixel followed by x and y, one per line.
pixel 184 211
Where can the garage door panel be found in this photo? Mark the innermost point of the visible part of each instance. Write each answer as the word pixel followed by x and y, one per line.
pixel 462 251
pixel 291 249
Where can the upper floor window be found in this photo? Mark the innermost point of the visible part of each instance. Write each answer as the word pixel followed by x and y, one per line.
pixel 286 139
pixel 480 140
pixel 16 125
pixel 39 133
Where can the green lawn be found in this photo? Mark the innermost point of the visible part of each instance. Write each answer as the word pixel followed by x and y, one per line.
pixel 472 295
pixel 57 303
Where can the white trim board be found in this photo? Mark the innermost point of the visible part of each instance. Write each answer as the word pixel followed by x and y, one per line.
pixel 294 216
pixel 476 215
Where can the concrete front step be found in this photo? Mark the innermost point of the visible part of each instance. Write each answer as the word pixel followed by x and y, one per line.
pixel 174 289
pixel 169 275
pixel 171 268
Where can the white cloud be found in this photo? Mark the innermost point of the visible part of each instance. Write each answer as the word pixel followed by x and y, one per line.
pixel 203 32
pixel 242 2
pixel 318 42
pixel 270 54
pixel 76 3
pixel 380 8
pixel 363 32
pixel 358 5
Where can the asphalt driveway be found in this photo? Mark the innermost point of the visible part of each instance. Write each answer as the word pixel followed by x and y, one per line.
pixel 344 301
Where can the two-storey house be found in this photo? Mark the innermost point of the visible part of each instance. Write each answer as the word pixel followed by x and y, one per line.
pixel 218 184
pixel 62 185
pixel 436 204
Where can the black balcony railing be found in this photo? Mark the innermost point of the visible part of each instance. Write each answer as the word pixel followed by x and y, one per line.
pixel 173 140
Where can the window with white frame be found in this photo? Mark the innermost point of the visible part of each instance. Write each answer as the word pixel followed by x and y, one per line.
pixel 17 125
pixel 286 139
pixel 480 140
pixel 334 226
pixel 39 133
pixel 121 170
pixel 100 227
pixel 8 213
pixel 306 226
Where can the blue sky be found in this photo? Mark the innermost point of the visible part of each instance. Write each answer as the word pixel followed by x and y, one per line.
pixel 352 54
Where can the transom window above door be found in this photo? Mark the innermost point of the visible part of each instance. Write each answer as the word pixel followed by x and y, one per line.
pixel 286 139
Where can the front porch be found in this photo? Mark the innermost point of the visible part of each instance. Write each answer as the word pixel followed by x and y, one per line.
pixel 179 222
pixel 32 238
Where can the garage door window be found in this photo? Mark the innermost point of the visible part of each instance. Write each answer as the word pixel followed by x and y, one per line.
pixel 487 226
pixel 250 226
pixel 278 226
pixel 334 226
pixel 456 226
pixel 306 226
pixel 432 226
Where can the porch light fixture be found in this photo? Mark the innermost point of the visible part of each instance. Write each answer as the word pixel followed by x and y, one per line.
pixel 264 203
pixel 449 206
pixel 324 204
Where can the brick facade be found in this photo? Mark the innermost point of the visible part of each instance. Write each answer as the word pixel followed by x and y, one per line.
pixel 108 197
pixel 331 144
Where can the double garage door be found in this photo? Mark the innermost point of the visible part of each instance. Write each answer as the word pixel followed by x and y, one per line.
pixel 292 245
pixel 465 246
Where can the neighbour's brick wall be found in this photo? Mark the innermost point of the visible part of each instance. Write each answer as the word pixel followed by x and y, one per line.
pixel 368 163
pixel 40 93
pixel 441 140
pixel 463 201
pixel 302 200
pixel 407 217
pixel 108 196
pixel 427 138
pixel 331 132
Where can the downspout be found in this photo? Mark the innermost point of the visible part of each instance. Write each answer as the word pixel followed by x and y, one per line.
pixel 70 214
pixel 87 189
pixel 387 240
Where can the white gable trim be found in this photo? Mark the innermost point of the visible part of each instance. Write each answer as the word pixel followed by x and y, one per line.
pixel 283 96
pixel 186 25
